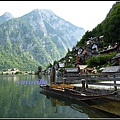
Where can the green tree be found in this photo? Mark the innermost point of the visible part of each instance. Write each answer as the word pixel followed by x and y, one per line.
pixel 99 60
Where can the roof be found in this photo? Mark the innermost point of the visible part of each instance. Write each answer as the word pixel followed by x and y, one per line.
pixel 71 69
pixel 113 48
pixel 112 69
pixel 61 64
pixel 117 56
pixel 82 66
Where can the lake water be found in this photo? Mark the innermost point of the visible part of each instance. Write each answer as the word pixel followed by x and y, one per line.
pixel 21 97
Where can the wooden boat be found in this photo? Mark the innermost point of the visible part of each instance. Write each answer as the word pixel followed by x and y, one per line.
pixel 67 90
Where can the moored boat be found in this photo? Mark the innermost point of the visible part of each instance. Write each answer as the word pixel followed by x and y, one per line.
pixel 69 91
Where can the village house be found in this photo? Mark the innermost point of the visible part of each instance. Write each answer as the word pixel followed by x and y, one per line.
pixel 61 65
pixel 10 71
pixel 111 70
pixel 109 49
pixel 71 71
pixel 116 59
pixel 95 40
pixel 75 50
pixel 86 53
pixel 82 69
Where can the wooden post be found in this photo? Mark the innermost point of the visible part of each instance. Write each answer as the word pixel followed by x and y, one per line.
pixel 86 84
pixel 64 80
pixel 115 84
pixel 53 75
pixel 83 85
pixel 86 80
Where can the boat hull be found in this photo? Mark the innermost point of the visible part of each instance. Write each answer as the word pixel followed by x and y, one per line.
pixel 73 94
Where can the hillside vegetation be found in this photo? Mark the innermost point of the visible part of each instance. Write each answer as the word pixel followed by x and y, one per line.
pixel 109 27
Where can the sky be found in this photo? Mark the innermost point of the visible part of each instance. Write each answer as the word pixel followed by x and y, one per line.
pixel 85 14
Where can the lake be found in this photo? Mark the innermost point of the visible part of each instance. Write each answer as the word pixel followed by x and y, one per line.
pixel 21 97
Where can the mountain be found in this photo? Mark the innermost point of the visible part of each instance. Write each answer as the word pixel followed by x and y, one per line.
pixel 5 17
pixel 36 39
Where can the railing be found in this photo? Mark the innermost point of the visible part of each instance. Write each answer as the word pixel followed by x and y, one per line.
pixel 92 79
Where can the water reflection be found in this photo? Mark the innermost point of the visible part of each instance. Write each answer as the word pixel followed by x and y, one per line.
pixel 26 101
pixel 85 111
pixel 108 105
pixel 17 101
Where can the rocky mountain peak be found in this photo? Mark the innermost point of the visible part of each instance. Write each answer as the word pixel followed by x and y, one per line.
pixel 7 15
pixel 43 13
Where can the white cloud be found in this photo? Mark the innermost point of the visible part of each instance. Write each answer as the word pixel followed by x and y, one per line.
pixel 85 14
